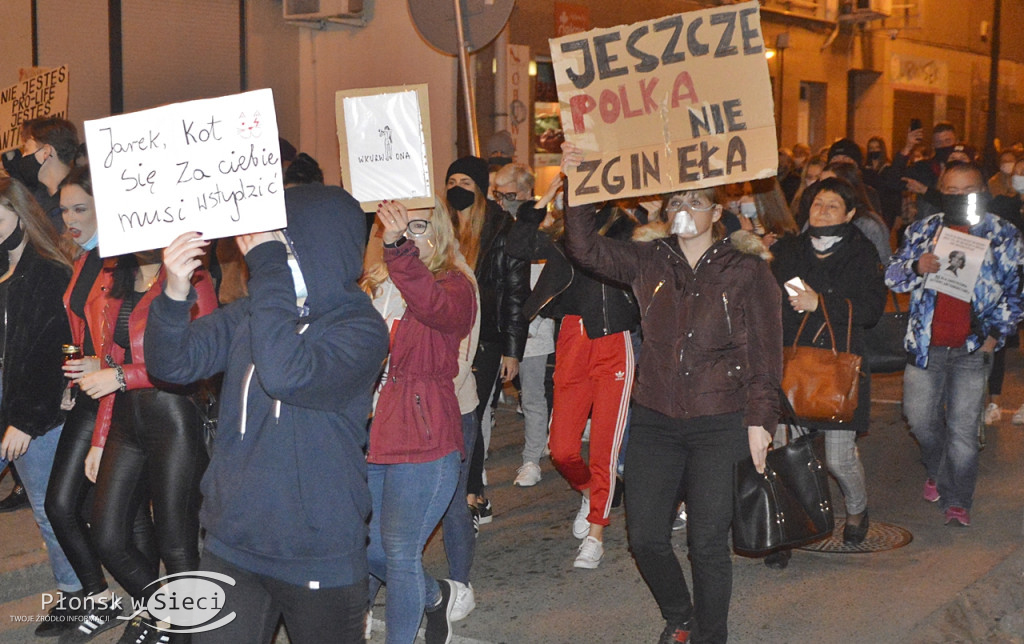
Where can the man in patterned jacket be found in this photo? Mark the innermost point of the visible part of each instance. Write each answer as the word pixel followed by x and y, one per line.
pixel 950 342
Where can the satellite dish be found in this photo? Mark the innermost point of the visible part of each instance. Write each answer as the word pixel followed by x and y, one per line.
pixel 482 21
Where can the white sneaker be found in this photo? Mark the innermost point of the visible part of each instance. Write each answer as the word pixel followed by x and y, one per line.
pixel 1018 417
pixel 591 551
pixel 527 475
pixel 992 414
pixel 368 629
pixel 580 525
pixel 465 601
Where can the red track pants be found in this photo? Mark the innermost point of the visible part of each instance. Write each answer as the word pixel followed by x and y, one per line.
pixel 592 378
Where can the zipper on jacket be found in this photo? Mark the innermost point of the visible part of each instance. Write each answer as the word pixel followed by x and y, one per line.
pixel 423 416
pixel 653 295
pixel 725 305
pixel 572 276
pixel 604 307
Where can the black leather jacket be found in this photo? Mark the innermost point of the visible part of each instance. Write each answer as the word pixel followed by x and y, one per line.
pixel 504 283
pixel 565 289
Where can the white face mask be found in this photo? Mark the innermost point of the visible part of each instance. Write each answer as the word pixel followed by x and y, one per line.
pixel 560 201
pixel 1006 168
pixel 300 283
pixel 683 224
pixel 1017 181
pixel 748 209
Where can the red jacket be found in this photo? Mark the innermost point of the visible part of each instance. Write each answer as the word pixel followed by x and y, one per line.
pixel 101 315
pixel 417 419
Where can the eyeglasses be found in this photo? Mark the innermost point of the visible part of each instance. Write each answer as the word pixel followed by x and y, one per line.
pixel 504 196
pixel 692 204
pixel 418 227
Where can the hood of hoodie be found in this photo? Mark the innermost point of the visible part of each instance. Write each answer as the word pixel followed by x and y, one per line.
pixel 326 227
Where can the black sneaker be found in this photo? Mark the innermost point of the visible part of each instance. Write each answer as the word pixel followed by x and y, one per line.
pixel 675 633
pixel 59 618
pixel 95 620
pixel 439 618
pixel 16 500
pixel 485 511
pixel 139 631
pixel 475 513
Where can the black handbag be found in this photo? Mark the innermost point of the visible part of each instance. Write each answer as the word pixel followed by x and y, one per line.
pixel 790 504
pixel 883 343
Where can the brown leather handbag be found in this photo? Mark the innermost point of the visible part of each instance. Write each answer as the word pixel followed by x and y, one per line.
pixel 822 384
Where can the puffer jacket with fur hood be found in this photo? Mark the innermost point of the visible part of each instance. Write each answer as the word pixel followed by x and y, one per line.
pixel 712 333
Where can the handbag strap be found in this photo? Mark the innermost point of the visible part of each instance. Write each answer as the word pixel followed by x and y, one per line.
pixel 828 324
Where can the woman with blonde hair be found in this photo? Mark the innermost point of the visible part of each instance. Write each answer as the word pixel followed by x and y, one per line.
pixel 416 437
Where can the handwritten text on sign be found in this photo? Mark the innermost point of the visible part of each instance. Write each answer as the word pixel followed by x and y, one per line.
pixel 674 103
pixel 211 166
pixel 42 95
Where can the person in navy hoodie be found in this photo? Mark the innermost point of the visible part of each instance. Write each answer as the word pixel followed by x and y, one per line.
pixel 285 497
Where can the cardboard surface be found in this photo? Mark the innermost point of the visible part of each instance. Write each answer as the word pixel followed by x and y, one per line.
pixel 42 94
pixel 674 103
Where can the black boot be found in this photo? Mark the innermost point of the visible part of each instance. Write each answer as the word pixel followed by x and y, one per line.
pixel 16 500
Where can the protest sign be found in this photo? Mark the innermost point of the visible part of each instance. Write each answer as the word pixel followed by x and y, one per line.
pixel 42 94
pixel 212 166
pixel 384 137
pixel 960 259
pixel 674 103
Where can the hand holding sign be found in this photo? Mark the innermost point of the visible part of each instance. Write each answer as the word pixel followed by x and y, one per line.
pixel 181 259
pixel 395 218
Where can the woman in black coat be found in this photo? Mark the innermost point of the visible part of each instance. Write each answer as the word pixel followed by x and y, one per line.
pixel 839 268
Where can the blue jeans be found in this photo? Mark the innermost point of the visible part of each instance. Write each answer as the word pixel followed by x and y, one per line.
pixel 459 539
pixel 409 500
pixel 34 469
pixel 943 405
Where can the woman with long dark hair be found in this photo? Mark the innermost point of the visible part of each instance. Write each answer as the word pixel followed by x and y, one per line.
pixel 152 451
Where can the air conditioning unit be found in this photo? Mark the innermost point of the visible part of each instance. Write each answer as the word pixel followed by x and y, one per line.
pixel 317 10
pixel 860 11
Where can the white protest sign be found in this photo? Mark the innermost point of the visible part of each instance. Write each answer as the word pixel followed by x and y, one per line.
pixel 384 137
pixel 960 258
pixel 212 166
pixel 43 94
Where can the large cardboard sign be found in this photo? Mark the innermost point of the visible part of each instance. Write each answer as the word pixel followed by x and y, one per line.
pixel 960 257
pixel 384 137
pixel 212 166
pixel 673 103
pixel 43 94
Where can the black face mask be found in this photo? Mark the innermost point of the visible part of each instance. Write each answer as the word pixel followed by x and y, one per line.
pixel 24 168
pixel 837 230
pixel 942 154
pixel 8 245
pixel 957 211
pixel 874 155
pixel 460 198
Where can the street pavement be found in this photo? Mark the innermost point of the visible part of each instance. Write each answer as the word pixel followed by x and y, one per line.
pixel 947 585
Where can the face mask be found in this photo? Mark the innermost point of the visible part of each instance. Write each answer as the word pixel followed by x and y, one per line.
pixel 942 154
pixel 823 238
pixel 683 224
pixel 24 168
pixel 963 210
pixel 733 205
pixel 748 209
pixel 90 243
pixel 300 282
pixel 1006 168
pixel 460 198
pixel 8 245
pixel 1017 181
pixel 512 207
pixel 560 200
pixel 874 155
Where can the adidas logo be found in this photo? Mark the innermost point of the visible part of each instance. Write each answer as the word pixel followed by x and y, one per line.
pixel 620 375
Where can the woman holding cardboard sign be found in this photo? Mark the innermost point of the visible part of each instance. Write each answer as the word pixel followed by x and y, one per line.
pixel 838 270
pixel 707 387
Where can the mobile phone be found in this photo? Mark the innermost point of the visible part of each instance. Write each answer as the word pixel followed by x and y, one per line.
pixel 915 124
